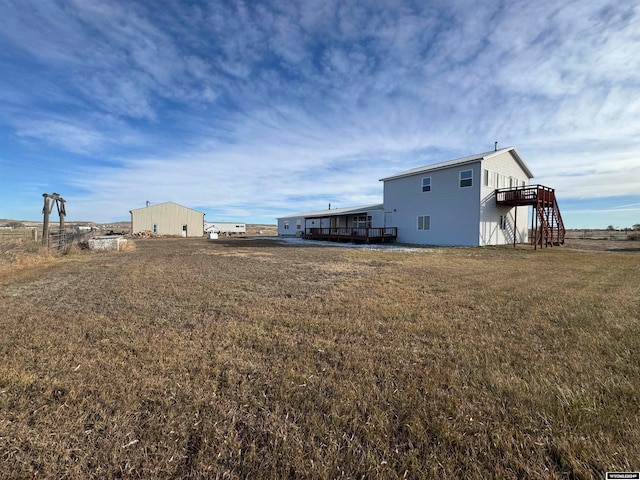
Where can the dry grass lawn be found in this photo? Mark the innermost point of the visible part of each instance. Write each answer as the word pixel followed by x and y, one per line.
pixel 246 358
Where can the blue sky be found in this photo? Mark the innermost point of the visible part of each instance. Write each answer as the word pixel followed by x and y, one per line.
pixel 252 110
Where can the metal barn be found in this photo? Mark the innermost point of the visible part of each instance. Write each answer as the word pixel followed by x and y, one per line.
pixel 168 219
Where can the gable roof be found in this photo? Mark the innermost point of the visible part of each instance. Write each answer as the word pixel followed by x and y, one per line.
pixel 463 161
pixel 336 211
pixel 164 203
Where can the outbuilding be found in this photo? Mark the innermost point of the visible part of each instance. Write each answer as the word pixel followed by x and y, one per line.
pixel 225 227
pixel 168 219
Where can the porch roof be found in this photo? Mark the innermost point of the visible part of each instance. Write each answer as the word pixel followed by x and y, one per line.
pixel 334 212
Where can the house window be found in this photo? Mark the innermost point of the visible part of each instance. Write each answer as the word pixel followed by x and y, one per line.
pixel 298 224
pixel 503 222
pixel 466 178
pixel 155 228
pixel 487 178
pixel 286 224
pixel 424 222
pixel 361 221
pixel 426 184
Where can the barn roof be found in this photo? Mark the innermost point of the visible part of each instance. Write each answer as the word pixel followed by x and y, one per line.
pixel 164 203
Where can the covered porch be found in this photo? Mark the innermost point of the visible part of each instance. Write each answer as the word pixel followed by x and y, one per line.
pixel 365 224
pixel 353 234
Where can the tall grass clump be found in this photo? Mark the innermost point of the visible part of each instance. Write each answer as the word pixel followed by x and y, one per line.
pixel 127 245
pixel 23 252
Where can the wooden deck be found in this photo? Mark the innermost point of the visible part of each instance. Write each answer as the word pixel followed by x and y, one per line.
pixel 358 235
pixel 549 228
pixel 536 195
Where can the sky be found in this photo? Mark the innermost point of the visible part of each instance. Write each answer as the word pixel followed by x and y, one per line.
pixel 252 110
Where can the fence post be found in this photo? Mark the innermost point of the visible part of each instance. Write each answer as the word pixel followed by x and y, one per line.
pixel 45 223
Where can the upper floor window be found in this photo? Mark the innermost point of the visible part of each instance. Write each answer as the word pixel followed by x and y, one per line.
pixel 466 178
pixel 286 224
pixel 298 224
pixel 426 184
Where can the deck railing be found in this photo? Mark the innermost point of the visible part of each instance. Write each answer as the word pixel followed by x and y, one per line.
pixel 352 233
pixel 527 195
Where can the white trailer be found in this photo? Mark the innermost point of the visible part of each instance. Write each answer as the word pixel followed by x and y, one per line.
pixel 225 227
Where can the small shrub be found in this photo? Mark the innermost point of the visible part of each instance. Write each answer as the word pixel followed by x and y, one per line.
pixel 633 236
pixel 74 248
pixel 126 245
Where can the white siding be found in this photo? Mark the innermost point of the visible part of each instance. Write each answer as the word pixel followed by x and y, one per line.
pixel 506 168
pixel 226 227
pixel 454 211
pixel 292 230
pixel 377 218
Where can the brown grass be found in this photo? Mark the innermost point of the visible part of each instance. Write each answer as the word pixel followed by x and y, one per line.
pixel 250 359
pixel 15 252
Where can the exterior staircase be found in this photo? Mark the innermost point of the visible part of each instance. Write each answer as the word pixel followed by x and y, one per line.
pixel 548 230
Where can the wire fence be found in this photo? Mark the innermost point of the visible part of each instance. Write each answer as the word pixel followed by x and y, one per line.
pixel 20 234
pixel 599 234
pixel 56 239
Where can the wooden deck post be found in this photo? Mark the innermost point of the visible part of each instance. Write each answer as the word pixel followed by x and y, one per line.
pixel 515 227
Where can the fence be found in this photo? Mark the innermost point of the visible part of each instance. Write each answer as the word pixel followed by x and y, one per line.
pixel 598 234
pixel 57 239
pixel 32 234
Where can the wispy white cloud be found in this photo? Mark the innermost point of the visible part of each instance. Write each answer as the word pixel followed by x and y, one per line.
pixel 250 104
pixel 75 138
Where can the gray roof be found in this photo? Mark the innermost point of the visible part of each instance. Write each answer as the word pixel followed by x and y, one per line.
pixel 462 161
pixel 337 211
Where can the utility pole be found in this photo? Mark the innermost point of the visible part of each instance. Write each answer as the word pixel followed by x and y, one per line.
pixel 46 210
pixel 45 224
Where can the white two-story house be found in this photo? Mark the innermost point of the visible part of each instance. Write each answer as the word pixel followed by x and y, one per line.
pixel 478 200
pixel 453 203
